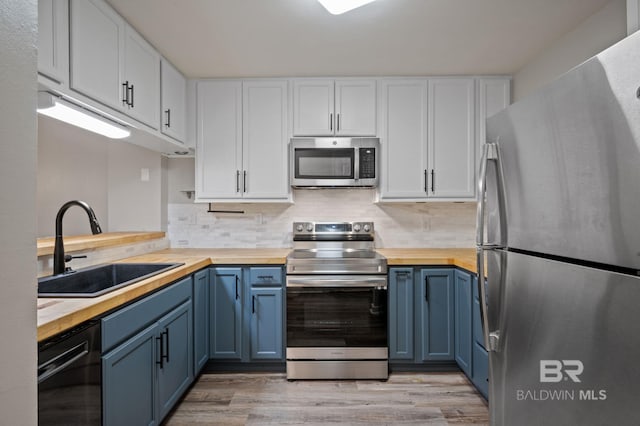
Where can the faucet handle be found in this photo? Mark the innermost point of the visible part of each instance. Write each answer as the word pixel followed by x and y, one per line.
pixel 68 257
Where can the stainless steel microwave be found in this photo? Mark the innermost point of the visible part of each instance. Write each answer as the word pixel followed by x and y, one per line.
pixel 334 162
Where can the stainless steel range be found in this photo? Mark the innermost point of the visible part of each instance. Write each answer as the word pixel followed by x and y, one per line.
pixel 336 303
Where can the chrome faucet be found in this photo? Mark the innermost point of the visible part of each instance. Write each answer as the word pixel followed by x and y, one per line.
pixel 59 258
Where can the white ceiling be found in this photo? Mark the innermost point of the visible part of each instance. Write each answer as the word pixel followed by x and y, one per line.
pixel 267 38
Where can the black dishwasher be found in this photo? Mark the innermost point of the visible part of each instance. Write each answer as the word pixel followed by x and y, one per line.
pixel 69 377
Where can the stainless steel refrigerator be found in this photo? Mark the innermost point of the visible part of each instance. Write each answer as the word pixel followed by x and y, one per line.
pixel 559 230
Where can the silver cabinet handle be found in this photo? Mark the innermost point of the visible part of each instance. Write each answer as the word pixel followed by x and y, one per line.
pixel 338 122
pixel 244 181
pixel 237 181
pixel 168 113
pixel 331 121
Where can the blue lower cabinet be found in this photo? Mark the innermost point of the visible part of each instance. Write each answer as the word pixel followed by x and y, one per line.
pixel 246 314
pixel 401 318
pixel 463 323
pixel 435 314
pixel 225 304
pixel 266 323
pixel 200 319
pixel 129 381
pixel 175 368
pixel 480 376
pixel 144 376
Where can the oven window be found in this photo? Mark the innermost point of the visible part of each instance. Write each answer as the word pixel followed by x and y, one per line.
pixel 325 163
pixel 336 317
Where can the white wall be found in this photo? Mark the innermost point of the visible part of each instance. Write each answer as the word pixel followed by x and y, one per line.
pixel 18 135
pixel 134 204
pixel 601 30
pixel 77 164
pixel 72 165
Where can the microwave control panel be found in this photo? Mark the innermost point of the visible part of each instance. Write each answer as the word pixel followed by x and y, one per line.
pixel 367 163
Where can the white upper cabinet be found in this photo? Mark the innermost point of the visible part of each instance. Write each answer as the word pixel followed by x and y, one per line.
pixel 264 139
pixel 141 79
pixel 452 146
pixel 355 107
pixel 219 140
pixel 96 50
pixel 241 151
pixel 313 107
pixel 403 138
pixel 494 95
pixel 427 135
pixel 174 102
pixel 112 64
pixel 328 107
pixel 53 40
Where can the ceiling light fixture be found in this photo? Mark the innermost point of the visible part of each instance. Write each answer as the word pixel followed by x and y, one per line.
pixel 60 109
pixel 337 7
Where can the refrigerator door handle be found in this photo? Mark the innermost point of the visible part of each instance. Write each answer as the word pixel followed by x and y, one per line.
pixel 491 338
pixel 482 292
pixel 490 152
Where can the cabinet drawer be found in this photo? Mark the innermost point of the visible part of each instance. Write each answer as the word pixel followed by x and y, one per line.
pixel 119 325
pixel 265 276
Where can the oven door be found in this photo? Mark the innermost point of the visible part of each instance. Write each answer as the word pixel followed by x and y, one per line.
pixel 337 317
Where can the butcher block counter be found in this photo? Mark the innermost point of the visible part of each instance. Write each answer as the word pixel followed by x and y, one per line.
pixel 462 257
pixel 59 314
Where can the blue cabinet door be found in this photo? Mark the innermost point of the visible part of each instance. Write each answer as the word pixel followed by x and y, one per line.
pixel 225 304
pixel 434 314
pixel 129 381
pixel 463 326
pixel 266 323
pixel 175 367
pixel 400 293
pixel 200 319
pixel 480 369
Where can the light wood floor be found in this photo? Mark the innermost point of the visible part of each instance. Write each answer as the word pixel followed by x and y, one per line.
pixel 269 399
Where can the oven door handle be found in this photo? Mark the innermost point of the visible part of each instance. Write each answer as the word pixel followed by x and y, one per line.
pixel 345 281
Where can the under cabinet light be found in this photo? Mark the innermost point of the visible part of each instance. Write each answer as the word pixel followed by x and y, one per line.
pixel 60 109
pixel 337 7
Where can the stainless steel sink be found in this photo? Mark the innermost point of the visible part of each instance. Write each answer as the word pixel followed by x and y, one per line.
pixel 97 280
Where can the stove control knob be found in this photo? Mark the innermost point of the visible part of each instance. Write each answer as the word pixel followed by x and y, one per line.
pixel 367 228
pixel 299 228
pixel 309 227
pixel 356 227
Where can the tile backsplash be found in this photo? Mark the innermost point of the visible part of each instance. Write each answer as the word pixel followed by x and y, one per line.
pixel 434 224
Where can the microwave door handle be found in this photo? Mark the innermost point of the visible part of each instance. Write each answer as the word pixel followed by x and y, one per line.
pixel 356 165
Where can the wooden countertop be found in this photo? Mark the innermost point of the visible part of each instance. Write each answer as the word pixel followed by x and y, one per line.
pixel 85 242
pixel 59 314
pixel 462 257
